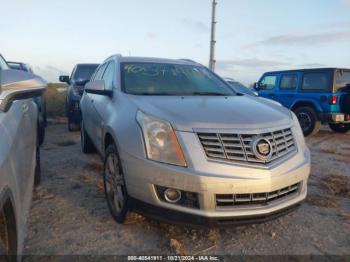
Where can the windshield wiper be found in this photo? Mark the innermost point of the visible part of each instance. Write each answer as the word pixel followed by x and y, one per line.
pixel 208 94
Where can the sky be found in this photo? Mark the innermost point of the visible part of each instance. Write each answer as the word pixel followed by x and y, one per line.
pixel 253 36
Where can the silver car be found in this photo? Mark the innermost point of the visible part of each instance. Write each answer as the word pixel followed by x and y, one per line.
pixel 19 153
pixel 179 144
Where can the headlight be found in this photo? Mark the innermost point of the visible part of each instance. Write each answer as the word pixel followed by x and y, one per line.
pixel 298 131
pixel 160 140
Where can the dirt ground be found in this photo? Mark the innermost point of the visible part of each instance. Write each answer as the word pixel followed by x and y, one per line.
pixel 69 214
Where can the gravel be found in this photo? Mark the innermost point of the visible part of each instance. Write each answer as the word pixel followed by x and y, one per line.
pixel 69 214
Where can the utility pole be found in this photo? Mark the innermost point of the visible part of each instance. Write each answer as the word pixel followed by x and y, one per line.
pixel 212 60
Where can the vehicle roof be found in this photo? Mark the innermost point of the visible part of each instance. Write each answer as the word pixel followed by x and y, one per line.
pixel 306 70
pixel 135 59
pixel 87 64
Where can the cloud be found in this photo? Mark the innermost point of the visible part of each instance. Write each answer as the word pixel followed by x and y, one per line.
pixel 304 38
pixel 152 35
pixel 195 25
pixel 346 2
pixel 248 63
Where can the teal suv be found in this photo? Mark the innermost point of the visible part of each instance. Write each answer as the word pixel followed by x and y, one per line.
pixel 317 96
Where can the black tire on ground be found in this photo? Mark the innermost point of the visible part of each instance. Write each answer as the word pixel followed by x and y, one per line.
pixel 41 133
pixel 8 233
pixel 37 174
pixel 308 120
pixel 339 128
pixel 114 185
pixel 72 126
pixel 87 146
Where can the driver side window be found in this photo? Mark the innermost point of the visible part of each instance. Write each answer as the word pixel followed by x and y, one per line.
pixel 108 76
pixel 99 72
pixel 268 82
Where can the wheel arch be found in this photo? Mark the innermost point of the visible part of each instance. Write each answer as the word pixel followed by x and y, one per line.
pixel 308 103
pixel 109 138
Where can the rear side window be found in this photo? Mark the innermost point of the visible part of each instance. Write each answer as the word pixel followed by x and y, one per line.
pixel 289 82
pixel 268 82
pixel 315 81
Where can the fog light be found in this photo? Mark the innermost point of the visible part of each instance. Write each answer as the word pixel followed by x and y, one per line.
pixel 172 195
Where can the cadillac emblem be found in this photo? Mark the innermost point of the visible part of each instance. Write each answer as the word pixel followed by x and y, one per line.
pixel 262 148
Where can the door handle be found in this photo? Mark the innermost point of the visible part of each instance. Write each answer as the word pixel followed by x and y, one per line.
pixel 92 100
pixel 289 95
pixel 271 95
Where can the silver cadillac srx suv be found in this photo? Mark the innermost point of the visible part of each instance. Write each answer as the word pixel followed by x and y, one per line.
pixel 178 144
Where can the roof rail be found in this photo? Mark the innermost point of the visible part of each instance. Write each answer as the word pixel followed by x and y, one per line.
pixel 188 60
pixel 114 56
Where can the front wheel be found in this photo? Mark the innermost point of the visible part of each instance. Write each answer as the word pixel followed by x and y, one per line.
pixel 114 185
pixel 308 120
pixel 339 127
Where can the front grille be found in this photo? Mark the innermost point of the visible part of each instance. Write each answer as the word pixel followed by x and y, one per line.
pixel 238 147
pixel 232 200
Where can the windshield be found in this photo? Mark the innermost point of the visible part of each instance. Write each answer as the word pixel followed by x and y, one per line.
pixel 342 79
pixel 171 79
pixel 84 72
pixel 240 88
pixel 3 64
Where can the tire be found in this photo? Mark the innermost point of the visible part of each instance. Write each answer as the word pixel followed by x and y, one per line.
pixel 8 237
pixel 339 128
pixel 37 174
pixel 115 186
pixel 41 133
pixel 308 120
pixel 87 147
pixel 72 126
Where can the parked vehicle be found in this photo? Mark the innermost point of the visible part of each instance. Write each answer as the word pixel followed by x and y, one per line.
pixel 179 144
pixel 20 154
pixel 81 74
pixel 40 101
pixel 240 88
pixel 315 95
pixel 20 66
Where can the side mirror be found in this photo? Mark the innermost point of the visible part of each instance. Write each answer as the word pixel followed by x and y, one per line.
pixel 81 82
pixel 64 79
pixel 256 86
pixel 17 85
pixel 98 87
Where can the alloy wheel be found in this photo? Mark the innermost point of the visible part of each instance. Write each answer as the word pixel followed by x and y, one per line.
pixel 115 186
pixel 304 120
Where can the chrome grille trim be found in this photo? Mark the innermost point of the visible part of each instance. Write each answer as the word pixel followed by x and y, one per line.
pixel 237 147
pixel 234 200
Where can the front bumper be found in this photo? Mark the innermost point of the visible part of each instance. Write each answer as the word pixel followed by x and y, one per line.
pixel 143 175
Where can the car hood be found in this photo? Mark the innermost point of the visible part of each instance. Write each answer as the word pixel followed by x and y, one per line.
pixel 191 113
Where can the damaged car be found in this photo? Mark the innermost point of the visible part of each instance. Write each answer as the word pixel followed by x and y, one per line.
pixel 178 144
